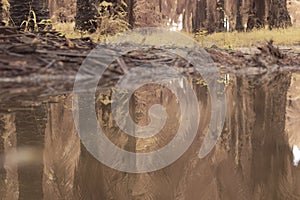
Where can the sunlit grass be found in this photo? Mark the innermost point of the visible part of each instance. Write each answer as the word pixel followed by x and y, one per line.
pixel 67 29
pixel 282 37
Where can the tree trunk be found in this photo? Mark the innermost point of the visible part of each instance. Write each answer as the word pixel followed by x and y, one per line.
pixel 20 10
pixel 278 14
pixel 257 15
pixel 270 13
pixel 86 15
pixel 200 16
pixel 130 6
pixel 215 16
pixel 220 16
pixel 239 15
pixel 239 22
pixel 1 12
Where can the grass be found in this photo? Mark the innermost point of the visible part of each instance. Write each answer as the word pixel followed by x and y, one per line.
pixel 281 37
pixel 112 23
pixel 67 29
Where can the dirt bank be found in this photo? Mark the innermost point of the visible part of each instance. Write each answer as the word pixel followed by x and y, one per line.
pixel 48 55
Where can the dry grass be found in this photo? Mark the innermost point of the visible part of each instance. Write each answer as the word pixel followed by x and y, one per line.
pixel 282 37
pixel 67 29
pixel 5 9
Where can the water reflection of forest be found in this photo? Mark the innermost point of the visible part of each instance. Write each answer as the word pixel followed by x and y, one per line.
pixel 252 160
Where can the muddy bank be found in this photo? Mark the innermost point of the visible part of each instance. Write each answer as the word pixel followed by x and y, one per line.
pixel 48 55
pixel 26 54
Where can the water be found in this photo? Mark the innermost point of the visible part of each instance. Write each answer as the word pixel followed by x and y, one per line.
pixel 42 156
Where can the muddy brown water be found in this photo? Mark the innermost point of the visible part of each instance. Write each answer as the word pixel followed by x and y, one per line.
pixel 42 157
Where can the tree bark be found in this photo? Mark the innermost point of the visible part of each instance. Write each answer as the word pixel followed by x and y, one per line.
pixel 268 13
pixel 200 16
pixel 1 12
pixel 20 10
pixel 215 16
pixel 239 22
pixel 130 12
pixel 278 14
pixel 257 15
pixel 86 15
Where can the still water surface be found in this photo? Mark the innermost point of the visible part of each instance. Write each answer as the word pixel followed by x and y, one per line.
pixel 42 157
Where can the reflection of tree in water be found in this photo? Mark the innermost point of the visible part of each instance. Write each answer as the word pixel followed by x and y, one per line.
pixel 62 150
pixel 96 180
pixel 252 160
pixel 256 141
pixel 8 171
pixel 270 151
pixel 292 131
pixel 30 127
